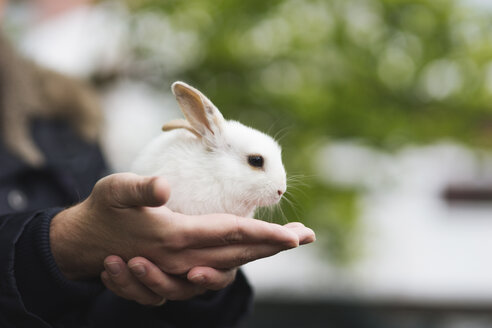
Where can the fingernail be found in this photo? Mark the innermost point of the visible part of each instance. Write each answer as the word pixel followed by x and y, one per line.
pixel 138 269
pixel 198 279
pixel 113 268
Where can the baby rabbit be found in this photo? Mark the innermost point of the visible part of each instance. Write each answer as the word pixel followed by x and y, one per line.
pixel 213 165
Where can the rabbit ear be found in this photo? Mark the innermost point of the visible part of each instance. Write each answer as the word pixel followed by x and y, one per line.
pixel 179 124
pixel 202 115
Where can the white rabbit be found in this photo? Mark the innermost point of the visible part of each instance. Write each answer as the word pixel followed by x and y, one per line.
pixel 213 165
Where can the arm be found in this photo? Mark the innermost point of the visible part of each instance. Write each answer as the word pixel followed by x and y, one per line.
pixel 28 273
pixel 118 218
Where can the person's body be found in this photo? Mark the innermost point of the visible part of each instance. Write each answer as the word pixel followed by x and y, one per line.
pixel 34 289
pixel 52 258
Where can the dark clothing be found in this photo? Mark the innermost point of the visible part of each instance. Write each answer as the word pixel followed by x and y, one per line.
pixel 33 292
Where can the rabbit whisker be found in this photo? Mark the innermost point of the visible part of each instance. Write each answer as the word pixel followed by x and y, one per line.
pixel 282 133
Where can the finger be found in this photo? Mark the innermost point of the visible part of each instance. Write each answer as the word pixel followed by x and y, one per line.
pixel 109 283
pixel 227 257
pixel 131 190
pixel 119 280
pixel 226 229
pixel 171 287
pixel 294 225
pixel 116 289
pixel 305 235
pixel 211 278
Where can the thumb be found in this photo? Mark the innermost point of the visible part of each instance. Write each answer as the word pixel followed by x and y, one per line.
pixel 131 190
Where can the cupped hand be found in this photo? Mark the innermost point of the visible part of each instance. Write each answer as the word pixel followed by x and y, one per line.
pixel 125 215
pixel 142 281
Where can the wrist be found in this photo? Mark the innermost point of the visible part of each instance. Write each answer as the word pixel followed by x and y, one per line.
pixel 75 256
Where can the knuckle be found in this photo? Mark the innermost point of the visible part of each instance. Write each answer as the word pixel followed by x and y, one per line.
pixel 176 267
pixel 101 183
pixel 115 194
pixel 177 243
pixel 245 256
pixel 110 182
pixel 101 186
pixel 111 189
pixel 235 235
pixel 177 236
pixel 117 186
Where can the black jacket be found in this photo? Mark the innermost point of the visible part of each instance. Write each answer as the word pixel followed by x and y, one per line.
pixel 33 292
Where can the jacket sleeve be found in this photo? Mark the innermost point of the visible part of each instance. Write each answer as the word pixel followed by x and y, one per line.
pixel 33 290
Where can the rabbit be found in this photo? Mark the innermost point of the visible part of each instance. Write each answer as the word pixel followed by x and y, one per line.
pixel 211 164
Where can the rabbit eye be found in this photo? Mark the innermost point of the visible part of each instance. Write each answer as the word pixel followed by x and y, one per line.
pixel 255 161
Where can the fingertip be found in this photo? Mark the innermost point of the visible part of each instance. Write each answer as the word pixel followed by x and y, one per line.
pixel 283 235
pixel 306 235
pixel 112 259
pixel 292 239
pixel 113 265
pixel 132 190
pixel 312 234
pixel 160 190
pixel 137 261
pixel 138 266
pixel 197 275
pixel 309 238
pixel 198 279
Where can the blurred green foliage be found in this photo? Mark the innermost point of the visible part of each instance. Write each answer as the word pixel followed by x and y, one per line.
pixel 388 72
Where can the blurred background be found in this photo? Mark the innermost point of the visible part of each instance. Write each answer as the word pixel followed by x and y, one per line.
pixel 382 107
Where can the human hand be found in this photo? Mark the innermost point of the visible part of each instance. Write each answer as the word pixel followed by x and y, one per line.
pixel 146 284
pixel 124 215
